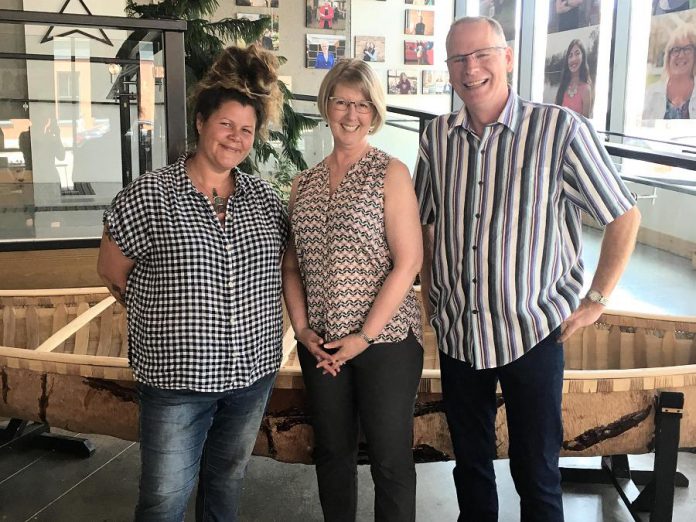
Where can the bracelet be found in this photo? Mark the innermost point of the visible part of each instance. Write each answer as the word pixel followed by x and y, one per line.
pixel 369 340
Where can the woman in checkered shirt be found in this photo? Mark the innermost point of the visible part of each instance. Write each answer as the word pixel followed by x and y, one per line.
pixel 193 252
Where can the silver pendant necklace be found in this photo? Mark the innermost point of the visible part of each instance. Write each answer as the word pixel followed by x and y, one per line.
pixel 219 203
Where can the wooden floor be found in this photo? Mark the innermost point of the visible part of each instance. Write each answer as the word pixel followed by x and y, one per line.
pixel 49 486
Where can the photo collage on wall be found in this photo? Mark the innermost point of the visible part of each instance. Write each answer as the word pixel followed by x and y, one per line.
pixel 671 61
pixel 323 50
pixel 571 54
pixel 418 49
pixel 270 40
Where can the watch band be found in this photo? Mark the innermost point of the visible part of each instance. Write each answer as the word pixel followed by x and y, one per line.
pixel 365 337
pixel 597 297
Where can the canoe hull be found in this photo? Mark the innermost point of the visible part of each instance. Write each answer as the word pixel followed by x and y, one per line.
pixel 600 423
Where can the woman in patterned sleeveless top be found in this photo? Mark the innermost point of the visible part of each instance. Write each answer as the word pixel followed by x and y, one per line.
pixel 348 283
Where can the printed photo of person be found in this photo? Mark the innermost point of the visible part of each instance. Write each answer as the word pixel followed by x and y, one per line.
pixel 326 14
pixel 370 48
pixel 418 53
pixel 419 22
pixel 566 15
pixel 669 93
pixel 503 11
pixel 323 50
pixel 436 82
pixel 669 6
pixel 402 82
pixel 575 89
pixel 270 38
pixel 571 69
pixel 257 3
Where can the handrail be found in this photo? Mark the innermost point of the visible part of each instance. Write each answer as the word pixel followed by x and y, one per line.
pixel 670 159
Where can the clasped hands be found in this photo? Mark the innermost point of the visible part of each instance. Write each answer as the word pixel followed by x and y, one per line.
pixel 348 347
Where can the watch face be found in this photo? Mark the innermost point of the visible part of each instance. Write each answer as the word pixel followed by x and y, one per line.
pixel 596 297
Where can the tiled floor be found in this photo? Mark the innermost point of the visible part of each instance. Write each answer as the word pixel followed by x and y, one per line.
pixel 53 487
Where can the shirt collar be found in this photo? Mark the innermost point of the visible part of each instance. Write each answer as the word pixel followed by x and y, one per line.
pixel 185 185
pixel 510 115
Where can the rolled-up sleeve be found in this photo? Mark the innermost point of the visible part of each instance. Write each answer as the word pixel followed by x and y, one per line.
pixel 129 220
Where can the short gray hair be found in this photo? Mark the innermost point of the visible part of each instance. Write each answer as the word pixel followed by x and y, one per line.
pixel 492 23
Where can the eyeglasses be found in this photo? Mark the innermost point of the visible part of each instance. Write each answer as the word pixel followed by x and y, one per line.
pixel 479 55
pixel 341 104
pixel 687 49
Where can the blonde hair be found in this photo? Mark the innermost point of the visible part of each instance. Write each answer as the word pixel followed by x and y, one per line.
pixel 246 75
pixel 684 32
pixel 357 73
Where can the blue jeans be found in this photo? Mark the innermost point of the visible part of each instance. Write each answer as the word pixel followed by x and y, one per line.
pixel 183 432
pixel 532 387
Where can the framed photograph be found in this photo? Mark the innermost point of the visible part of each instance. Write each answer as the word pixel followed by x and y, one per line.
pixel 326 14
pixel 419 53
pixel 270 39
pixel 257 3
pixel 402 82
pixel 419 22
pixel 436 82
pixel 322 50
pixel 369 48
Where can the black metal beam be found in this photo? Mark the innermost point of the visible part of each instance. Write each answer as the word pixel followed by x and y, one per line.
pixel 102 22
pixel 175 94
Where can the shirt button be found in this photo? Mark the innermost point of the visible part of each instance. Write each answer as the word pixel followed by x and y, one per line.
pixel 480 182
pixel 474 247
pixel 232 321
pixel 477 215
pixel 230 283
pixel 474 312
pixel 473 280
pixel 229 248
pixel 483 151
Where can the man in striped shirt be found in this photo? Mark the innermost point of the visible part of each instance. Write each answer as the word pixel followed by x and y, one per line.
pixel 501 185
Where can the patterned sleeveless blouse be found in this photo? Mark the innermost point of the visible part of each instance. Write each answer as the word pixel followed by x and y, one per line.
pixel 343 253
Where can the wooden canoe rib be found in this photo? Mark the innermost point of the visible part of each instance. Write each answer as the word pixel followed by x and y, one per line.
pixel 63 362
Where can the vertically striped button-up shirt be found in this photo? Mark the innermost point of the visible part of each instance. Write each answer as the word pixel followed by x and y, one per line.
pixel 507 267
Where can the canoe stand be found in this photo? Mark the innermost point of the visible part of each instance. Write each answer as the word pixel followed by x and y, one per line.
pixel 40 435
pixel 657 498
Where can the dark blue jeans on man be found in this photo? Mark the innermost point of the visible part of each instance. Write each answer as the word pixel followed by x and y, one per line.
pixel 185 433
pixel 532 387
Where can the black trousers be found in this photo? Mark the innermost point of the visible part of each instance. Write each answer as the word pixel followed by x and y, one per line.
pixel 377 389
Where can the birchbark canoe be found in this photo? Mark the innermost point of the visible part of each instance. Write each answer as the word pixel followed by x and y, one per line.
pixel 63 361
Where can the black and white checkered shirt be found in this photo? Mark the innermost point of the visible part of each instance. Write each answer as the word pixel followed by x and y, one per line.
pixel 203 303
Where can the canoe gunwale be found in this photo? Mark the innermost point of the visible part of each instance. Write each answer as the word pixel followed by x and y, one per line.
pixel 654 377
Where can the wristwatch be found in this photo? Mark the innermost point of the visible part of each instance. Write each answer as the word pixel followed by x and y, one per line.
pixel 369 340
pixel 597 297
